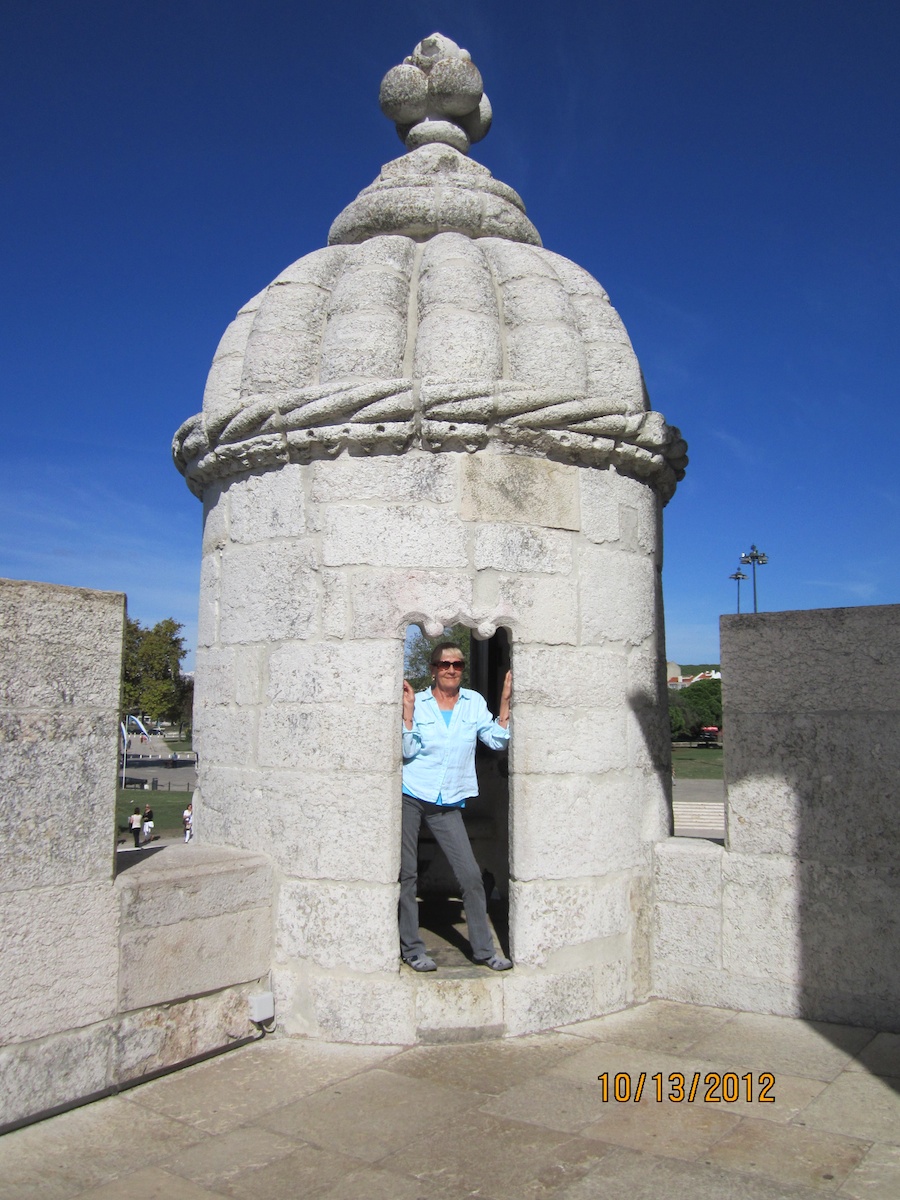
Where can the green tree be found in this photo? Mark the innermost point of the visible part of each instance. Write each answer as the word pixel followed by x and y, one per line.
pixel 684 720
pixel 160 699
pixel 152 682
pixel 693 707
pixel 186 711
pixel 677 721
pixel 705 698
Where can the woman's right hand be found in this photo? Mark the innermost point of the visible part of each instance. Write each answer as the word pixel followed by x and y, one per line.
pixel 409 704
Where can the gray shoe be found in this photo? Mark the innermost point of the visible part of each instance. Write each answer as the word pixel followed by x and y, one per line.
pixel 421 962
pixel 496 962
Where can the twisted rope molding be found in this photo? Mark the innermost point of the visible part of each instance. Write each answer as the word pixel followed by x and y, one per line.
pixel 395 415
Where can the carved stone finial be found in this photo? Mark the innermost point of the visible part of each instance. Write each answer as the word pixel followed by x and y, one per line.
pixel 436 95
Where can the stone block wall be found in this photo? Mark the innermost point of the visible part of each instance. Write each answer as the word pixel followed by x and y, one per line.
pixel 60 667
pixel 311 575
pixel 102 980
pixel 800 913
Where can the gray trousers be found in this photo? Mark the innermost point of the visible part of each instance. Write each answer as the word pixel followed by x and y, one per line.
pixel 447 826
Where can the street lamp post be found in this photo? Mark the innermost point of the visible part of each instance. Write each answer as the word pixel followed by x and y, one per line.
pixel 753 558
pixel 738 575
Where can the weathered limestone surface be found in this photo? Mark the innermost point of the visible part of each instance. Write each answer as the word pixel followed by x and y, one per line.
pixel 60 665
pixel 800 915
pixel 327 922
pixel 196 920
pixel 434 321
pixel 60 655
pixel 300 762
pixel 300 819
pixel 59 958
pixel 55 1070
pixel 513 489
pixel 103 983
pixel 436 96
pixel 551 914
pixel 102 980
pixel 574 825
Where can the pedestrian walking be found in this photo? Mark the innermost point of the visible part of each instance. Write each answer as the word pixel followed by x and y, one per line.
pixel 134 824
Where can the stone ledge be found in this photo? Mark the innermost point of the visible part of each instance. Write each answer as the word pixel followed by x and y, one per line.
pixel 193 920
pixel 457 1004
pixel 68 1067
pixel 188 882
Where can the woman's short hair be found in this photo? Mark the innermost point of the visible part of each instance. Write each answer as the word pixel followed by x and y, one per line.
pixel 439 650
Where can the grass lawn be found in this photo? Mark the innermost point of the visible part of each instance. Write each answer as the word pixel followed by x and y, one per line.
pixel 167 809
pixel 697 764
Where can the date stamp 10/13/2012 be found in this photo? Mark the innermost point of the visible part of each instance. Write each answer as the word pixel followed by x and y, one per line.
pixel 711 1088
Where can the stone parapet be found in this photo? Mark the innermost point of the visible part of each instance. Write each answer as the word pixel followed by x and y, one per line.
pixel 60 667
pixel 76 1064
pixel 800 914
pixel 193 919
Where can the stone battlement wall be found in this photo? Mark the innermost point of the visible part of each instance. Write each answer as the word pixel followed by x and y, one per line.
pixel 800 913
pixel 102 979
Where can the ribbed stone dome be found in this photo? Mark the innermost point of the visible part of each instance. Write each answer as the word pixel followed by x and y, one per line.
pixel 436 320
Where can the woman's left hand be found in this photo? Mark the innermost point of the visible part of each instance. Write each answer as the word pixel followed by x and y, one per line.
pixel 505 694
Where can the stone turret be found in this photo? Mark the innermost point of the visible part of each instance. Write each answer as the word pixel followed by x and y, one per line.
pixel 433 420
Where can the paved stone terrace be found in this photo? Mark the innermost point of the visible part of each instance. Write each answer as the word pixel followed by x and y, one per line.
pixel 507 1120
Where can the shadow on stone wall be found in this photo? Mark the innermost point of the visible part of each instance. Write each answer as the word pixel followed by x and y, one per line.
pixel 811 879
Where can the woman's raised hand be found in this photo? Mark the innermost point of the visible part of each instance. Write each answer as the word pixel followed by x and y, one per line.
pixel 409 703
pixel 505 694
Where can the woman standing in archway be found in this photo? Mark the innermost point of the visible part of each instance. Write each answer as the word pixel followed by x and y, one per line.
pixel 440 727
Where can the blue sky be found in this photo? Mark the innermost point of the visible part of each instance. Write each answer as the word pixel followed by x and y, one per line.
pixel 728 172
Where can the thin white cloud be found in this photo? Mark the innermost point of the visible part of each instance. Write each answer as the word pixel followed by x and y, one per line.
pixel 741 450
pixel 860 589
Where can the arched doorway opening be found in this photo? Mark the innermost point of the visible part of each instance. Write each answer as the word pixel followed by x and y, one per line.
pixel 486 816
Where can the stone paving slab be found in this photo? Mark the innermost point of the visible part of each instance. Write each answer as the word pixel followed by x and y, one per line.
pixel 881 1056
pixel 860 1105
pixel 757 1042
pixel 790 1154
pixel 877 1177
pixel 235 1089
pixel 663 1025
pixel 371 1115
pixel 149 1184
pixel 506 1160
pixel 630 1175
pixel 486 1067
pixel 503 1120
pixel 67 1155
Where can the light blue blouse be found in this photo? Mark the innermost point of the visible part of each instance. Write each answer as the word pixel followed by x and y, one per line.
pixel 439 758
